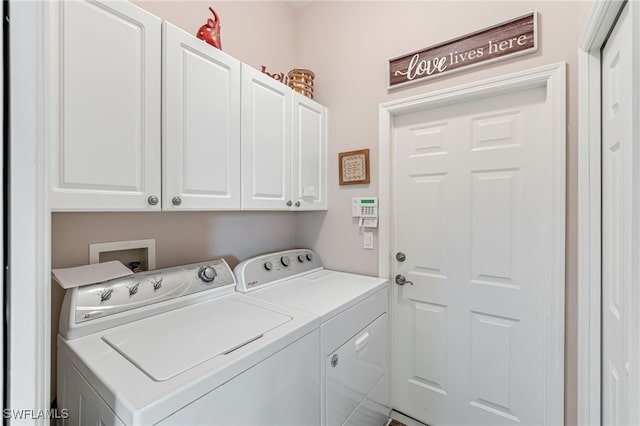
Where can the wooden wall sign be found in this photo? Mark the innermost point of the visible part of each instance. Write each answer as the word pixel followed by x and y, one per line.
pixel 517 36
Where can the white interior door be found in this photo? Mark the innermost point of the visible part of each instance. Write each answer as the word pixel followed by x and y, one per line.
pixel 473 213
pixel 617 224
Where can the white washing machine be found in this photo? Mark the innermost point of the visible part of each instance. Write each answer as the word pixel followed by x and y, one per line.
pixel 353 327
pixel 178 346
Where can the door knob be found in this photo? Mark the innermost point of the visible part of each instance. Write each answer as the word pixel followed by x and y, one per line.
pixel 334 360
pixel 401 280
pixel 400 256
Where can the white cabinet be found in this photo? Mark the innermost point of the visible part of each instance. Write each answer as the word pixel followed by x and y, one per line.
pixel 201 125
pixel 284 146
pixel 266 142
pixel 145 116
pixel 105 106
pixel 309 159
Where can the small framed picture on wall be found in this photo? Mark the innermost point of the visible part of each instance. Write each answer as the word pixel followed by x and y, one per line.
pixel 354 167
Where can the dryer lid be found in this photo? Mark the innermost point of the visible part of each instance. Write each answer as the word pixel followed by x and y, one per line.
pixel 166 345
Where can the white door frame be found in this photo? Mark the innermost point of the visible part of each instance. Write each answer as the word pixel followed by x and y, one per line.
pixel 29 281
pixel 601 21
pixel 553 77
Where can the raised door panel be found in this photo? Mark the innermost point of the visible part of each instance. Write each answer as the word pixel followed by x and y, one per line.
pixel 201 124
pixel 105 103
pixel 266 142
pixel 309 154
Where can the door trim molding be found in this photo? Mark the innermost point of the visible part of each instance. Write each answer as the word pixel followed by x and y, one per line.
pixel 601 21
pixel 553 77
pixel 29 280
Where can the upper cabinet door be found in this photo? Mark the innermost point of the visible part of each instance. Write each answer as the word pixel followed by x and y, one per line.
pixel 309 154
pixel 266 142
pixel 201 124
pixel 105 104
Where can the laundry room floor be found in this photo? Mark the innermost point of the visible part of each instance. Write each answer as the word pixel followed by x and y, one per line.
pixel 399 419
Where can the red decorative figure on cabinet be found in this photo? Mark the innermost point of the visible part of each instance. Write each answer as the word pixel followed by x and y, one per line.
pixel 210 32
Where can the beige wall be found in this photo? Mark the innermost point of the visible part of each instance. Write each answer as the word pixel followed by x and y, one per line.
pixel 347 45
pixel 584 9
pixel 256 32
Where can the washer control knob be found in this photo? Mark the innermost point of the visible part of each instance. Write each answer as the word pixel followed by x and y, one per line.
pixel 157 283
pixel 106 294
pixel 301 258
pixel 285 260
pixel 207 274
pixel 133 289
pixel 268 265
pixel 309 257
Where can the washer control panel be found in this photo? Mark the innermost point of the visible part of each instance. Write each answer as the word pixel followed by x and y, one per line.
pixel 271 268
pixel 146 288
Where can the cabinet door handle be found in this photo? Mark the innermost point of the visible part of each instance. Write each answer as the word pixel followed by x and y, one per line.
pixel 152 200
pixel 297 203
pixel 176 201
pixel 289 203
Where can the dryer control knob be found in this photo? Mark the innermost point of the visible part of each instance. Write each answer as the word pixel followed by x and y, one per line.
pixel 207 274
pixel 268 265
pixel 285 260
pixel 301 258
pixel 309 257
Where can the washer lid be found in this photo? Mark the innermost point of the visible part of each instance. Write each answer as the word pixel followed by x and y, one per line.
pixel 166 345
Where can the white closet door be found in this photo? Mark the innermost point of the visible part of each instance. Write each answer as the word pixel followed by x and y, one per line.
pixel 105 103
pixel 266 142
pixel 201 123
pixel 620 282
pixel 309 154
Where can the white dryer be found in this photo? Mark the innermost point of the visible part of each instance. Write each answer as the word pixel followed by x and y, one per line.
pixel 178 346
pixel 353 326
